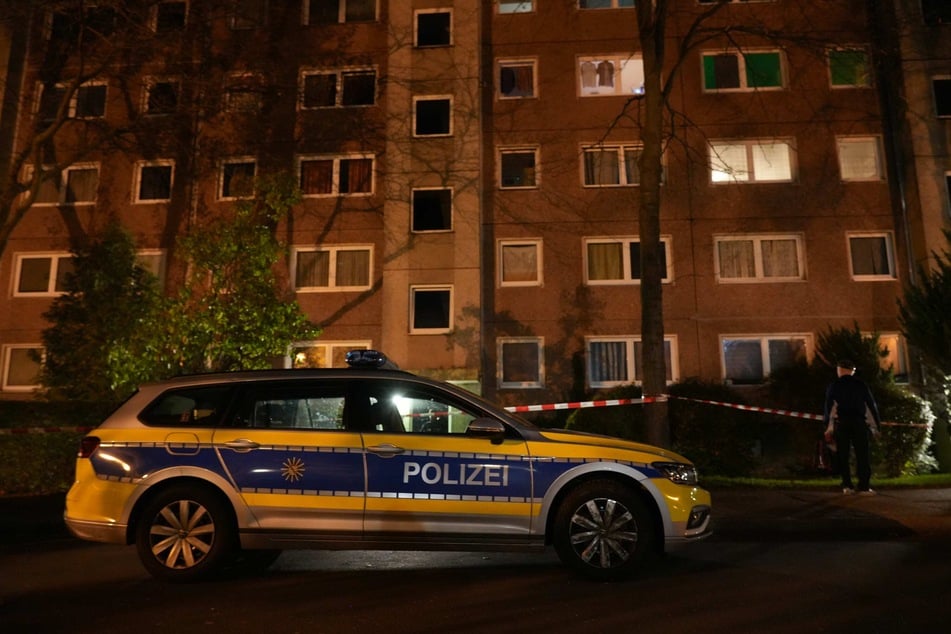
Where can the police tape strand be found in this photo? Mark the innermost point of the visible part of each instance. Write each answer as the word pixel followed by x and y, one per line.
pixel 546 407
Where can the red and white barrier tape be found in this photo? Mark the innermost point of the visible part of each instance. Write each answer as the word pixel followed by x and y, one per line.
pixel 548 407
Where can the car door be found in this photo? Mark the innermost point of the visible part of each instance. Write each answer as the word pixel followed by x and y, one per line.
pixel 427 477
pixel 293 461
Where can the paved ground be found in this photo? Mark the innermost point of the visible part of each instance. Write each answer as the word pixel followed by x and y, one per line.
pixel 739 515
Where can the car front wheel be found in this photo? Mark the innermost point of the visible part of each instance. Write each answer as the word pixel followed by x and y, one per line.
pixel 184 534
pixel 603 530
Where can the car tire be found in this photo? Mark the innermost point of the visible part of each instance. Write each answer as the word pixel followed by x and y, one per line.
pixel 185 534
pixel 603 530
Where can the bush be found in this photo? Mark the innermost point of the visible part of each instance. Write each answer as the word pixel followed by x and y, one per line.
pixel 622 421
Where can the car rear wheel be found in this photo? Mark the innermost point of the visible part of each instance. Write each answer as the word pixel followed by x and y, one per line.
pixel 185 534
pixel 603 530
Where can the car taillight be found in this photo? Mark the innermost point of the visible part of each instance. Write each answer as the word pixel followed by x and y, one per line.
pixel 88 445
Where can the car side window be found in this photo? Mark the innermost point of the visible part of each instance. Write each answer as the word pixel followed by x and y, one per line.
pixel 188 407
pixel 291 407
pixel 397 408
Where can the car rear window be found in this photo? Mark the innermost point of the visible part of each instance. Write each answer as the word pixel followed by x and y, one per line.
pixel 188 407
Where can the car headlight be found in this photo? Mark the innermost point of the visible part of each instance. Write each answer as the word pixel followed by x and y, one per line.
pixel 677 472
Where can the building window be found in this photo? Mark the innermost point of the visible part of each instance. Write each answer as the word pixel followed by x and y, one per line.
pixel 432 116
pixel 766 258
pixel 860 158
pixel 339 88
pixel 516 6
pixel 344 268
pixel 237 179
pixel 736 71
pixel 748 360
pixel 942 96
pixel 21 368
pixel 611 75
pixel 161 97
pixel 248 14
pixel 896 358
pixel 336 175
pixel 762 161
pixel 324 354
pixel 516 79
pixel 338 11
pixel 520 262
pixel 611 165
pixel 849 68
pixel 872 257
pixel 77 185
pixel 936 12
pixel 610 261
pixel 518 168
pixel 433 28
pixel 605 4
pixel 153 181
pixel 169 17
pixel 89 102
pixel 153 261
pixel 521 362
pixel 42 274
pixel 430 309
pixel 432 210
pixel 244 93
pixel 613 361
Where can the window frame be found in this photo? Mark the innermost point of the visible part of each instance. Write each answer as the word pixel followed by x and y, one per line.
pixel 714 157
pixel 150 84
pixel 942 102
pixel 62 187
pixel 245 84
pixel 511 63
pixel 763 338
pixel 338 160
pixel 339 86
pixel 627 265
pixel 855 140
pixel 621 149
pixel 538 245
pixel 140 167
pixel 75 102
pixel 500 372
pixel 513 150
pixel 846 50
pixel 432 98
pixel 433 11
pixel 6 369
pixel 222 181
pixel 742 72
pixel 757 239
pixel 449 213
pixel 631 343
pixel 619 61
pixel 888 239
pixel 425 288
pixel 341 14
pixel 55 257
pixel 517 7
pixel 334 250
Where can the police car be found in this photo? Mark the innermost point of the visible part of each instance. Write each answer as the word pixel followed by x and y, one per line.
pixel 211 472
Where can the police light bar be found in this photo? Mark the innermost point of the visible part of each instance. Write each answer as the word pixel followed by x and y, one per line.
pixel 369 359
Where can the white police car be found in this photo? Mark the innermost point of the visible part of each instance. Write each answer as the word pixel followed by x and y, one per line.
pixel 203 472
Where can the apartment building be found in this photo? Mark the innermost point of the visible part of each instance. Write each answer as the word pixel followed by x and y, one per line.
pixel 470 182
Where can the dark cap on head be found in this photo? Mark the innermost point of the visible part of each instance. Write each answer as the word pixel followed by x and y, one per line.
pixel 846 363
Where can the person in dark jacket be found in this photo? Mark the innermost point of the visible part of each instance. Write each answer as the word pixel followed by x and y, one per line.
pixel 851 417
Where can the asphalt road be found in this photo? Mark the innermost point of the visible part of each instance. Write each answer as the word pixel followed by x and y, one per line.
pixel 780 561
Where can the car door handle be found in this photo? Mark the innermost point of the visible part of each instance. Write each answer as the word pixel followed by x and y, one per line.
pixel 242 444
pixel 386 450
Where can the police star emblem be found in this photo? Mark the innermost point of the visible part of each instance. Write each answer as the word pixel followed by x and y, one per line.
pixel 293 469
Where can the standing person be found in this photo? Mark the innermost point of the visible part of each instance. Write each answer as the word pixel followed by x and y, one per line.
pixel 851 416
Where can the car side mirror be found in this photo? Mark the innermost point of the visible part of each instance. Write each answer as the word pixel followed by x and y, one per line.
pixel 486 427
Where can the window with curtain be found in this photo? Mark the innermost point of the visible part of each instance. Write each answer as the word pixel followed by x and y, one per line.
pixel 613 361
pixel 516 79
pixel 617 260
pixel 82 184
pixel 872 257
pixel 860 158
pixel 332 268
pixel 748 360
pixel 759 258
pixel 519 263
pixel 521 362
pixel 751 160
pixel 339 175
pixel 849 68
pixel 611 165
pixel 155 183
pixel 735 70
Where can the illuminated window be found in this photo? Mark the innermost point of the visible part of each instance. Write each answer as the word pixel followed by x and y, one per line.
pixel 618 260
pixel 520 262
pixel 759 258
pixel 621 74
pixel 613 361
pixel 849 68
pixel 860 158
pixel 333 268
pixel 872 257
pixel 336 175
pixel 769 161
